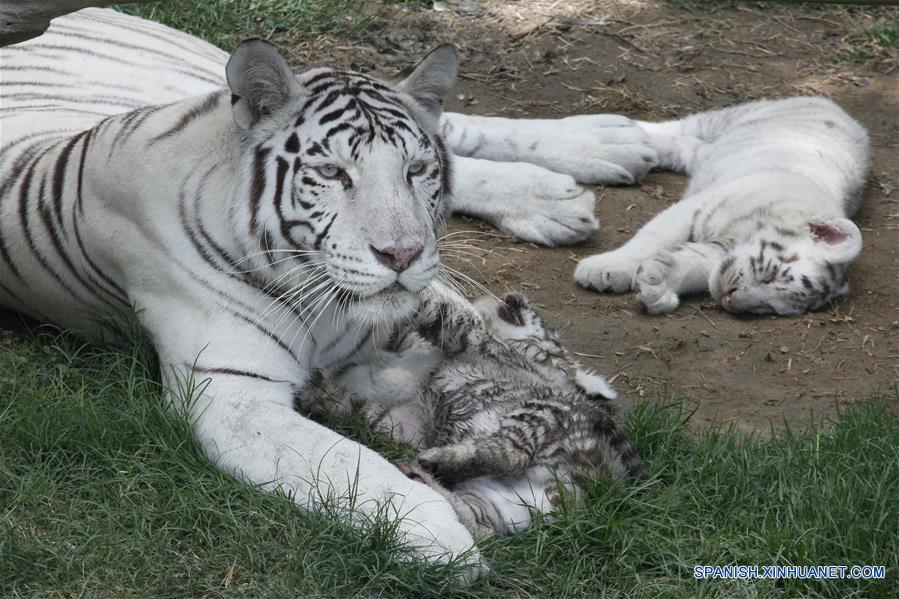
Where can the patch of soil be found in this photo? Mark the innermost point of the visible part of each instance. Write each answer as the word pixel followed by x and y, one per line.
pixel 655 60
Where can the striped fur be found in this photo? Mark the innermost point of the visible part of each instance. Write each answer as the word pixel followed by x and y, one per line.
pixel 265 230
pixel 505 416
pixel 763 225
pixel 256 230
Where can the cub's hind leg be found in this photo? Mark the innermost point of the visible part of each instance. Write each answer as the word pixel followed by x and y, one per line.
pixel 685 270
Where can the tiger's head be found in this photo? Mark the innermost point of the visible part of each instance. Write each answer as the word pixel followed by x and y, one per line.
pixel 345 179
pixel 785 271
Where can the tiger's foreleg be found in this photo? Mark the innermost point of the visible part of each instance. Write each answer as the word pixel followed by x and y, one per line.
pixel 238 387
pixel 524 200
pixel 596 149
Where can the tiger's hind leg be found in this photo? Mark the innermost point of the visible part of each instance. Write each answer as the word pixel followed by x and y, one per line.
pixel 597 149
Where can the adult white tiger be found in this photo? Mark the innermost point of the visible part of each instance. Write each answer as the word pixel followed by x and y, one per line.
pixel 263 232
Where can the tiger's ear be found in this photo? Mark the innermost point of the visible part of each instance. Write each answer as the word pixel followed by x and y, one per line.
pixel 260 80
pixel 431 80
pixel 838 238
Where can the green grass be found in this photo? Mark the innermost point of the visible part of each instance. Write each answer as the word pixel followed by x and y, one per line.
pixel 878 40
pixel 225 22
pixel 105 491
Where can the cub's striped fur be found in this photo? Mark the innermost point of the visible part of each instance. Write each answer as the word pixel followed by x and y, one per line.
pixel 504 414
pixel 763 223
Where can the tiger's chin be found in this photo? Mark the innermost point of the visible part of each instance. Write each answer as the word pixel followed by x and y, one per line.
pixel 389 306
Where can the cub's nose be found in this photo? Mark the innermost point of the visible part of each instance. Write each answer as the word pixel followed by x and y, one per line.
pixel 396 258
pixel 729 296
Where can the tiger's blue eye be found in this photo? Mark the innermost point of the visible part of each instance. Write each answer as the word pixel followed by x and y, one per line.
pixel 416 168
pixel 328 170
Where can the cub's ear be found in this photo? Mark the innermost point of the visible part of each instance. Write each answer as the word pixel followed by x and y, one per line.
pixel 431 80
pixel 260 80
pixel 838 238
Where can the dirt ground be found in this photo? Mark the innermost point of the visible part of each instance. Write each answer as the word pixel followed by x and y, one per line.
pixel 655 60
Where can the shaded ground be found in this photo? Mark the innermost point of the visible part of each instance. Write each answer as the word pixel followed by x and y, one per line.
pixel 656 60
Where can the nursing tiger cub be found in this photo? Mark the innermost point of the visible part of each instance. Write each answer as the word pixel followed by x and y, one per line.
pixel 505 417
pixel 763 223
pixel 261 230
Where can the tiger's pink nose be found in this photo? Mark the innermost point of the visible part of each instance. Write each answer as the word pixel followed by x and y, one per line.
pixel 729 296
pixel 396 258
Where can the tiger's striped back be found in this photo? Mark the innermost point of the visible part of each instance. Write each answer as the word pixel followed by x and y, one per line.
pixel 129 66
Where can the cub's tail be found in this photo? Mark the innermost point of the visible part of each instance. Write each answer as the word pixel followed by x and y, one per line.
pixel 595 443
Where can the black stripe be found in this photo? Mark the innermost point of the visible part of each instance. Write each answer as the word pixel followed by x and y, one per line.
pixel 129 103
pixel 320 237
pixel 79 188
pixel 113 290
pixel 9 292
pixel 160 32
pixel 59 172
pixel 206 106
pixel 138 118
pixel 24 194
pixel 236 372
pixel 258 185
pixel 292 144
pixel 89 283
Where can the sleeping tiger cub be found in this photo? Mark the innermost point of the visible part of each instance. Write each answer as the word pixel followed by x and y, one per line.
pixel 763 223
pixel 506 416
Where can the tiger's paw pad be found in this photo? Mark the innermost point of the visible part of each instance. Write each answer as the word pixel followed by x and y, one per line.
pixel 606 273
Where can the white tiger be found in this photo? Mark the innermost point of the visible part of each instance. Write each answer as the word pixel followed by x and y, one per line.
pixel 265 230
pixel 763 223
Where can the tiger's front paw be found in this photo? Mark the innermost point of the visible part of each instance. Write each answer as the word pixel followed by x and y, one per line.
pixel 430 525
pixel 547 208
pixel 653 281
pixel 610 272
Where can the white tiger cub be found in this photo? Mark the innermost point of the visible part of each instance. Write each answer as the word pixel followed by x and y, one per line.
pixel 763 223
pixel 261 229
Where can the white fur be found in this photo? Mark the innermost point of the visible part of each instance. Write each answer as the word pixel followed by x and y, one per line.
pixel 205 323
pixel 520 190
pixel 763 175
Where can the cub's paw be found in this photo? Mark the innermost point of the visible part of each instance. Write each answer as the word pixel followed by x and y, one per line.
pixel 600 149
pixel 547 208
pixel 609 272
pixel 449 463
pixel 653 281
